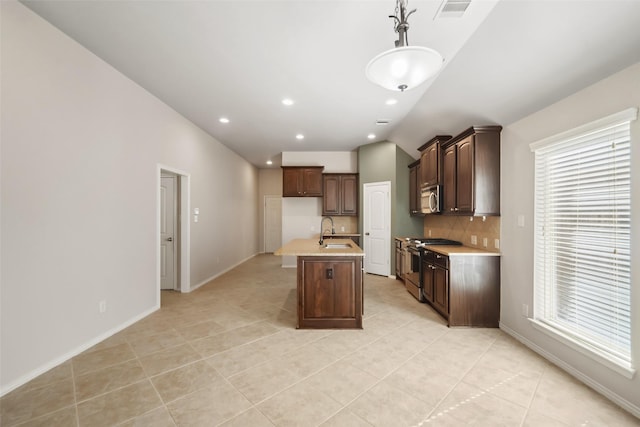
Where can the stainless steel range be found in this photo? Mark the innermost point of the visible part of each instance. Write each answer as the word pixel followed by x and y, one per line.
pixel 416 250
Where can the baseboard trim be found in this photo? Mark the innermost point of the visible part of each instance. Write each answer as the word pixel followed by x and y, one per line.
pixel 76 351
pixel 614 397
pixel 215 276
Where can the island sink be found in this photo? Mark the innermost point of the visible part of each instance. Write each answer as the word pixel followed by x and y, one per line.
pixel 337 246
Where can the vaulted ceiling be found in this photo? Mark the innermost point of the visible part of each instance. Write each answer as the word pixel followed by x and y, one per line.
pixel 239 59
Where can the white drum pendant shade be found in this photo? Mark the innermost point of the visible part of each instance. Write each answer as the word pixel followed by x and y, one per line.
pixel 404 68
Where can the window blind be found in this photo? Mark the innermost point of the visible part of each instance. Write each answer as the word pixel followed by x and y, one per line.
pixel 582 263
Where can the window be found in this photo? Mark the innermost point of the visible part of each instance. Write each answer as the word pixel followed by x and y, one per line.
pixel 582 267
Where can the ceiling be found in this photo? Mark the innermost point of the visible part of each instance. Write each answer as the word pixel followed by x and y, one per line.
pixel 238 59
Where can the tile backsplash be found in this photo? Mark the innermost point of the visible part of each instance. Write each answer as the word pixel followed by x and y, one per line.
pixel 345 224
pixel 463 228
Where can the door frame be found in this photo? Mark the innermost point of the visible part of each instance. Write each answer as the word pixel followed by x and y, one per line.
pixel 182 249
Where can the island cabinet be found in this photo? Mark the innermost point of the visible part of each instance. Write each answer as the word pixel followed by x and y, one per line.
pixel 415 174
pixel 302 181
pixel 340 194
pixel 464 289
pixel 330 292
pixel 431 161
pixel 471 172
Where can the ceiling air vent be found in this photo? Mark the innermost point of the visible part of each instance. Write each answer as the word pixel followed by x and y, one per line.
pixel 382 122
pixel 452 8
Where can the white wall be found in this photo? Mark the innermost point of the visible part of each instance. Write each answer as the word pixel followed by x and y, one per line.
pixel 301 215
pixel 611 95
pixel 81 145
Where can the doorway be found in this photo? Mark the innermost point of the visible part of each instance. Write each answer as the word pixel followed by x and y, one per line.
pixel 377 227
pixel 172 230
pixel 169 231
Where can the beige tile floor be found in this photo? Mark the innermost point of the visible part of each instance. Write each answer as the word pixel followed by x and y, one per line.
pixel 229 354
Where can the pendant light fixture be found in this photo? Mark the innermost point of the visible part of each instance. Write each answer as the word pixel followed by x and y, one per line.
pixel 403 67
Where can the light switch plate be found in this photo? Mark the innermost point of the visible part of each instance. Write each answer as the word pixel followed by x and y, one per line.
pixel 196 211
pixel 521 220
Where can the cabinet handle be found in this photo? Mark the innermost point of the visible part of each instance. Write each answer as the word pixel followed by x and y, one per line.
pixel 456 209
pixel 451 209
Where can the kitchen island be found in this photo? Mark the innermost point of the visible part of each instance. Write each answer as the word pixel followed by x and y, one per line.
pixel 329 283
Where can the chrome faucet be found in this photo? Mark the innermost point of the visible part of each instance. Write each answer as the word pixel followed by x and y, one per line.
pixel 333 230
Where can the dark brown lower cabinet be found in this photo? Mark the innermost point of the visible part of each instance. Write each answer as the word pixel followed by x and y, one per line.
pixel 329 292
pixel 464 289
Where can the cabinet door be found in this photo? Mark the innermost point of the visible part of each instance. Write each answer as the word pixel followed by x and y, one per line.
pixel 331 195
pixel 464 175
pixel 441 290
pixel 349 199
pixel 430 165
pixel 329 290
pixel 427 282
pixel 413 191
pixel 398 263
pixel 449 179
pixel 291 182
pixel 312 182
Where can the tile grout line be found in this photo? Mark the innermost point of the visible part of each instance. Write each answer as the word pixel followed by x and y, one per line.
pixel 429 414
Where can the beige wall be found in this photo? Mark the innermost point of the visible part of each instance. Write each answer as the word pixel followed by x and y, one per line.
pixel 81 150
pixel 611 95
pixel 269 184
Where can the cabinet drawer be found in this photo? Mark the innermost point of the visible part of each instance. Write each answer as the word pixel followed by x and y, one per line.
pixel 441 260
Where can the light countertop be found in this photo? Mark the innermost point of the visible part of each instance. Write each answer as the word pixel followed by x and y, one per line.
pixel 310 247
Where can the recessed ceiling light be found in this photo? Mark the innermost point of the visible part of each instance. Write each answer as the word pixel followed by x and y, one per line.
pixel 223 120
pixel 391 101
pixel 269 162
pixel 300 136
pixel 371 136
pixel 287 101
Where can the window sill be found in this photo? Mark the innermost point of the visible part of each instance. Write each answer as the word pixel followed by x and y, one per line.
pixel 593 353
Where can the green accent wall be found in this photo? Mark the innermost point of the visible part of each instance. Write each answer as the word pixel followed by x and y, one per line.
pixel 385 161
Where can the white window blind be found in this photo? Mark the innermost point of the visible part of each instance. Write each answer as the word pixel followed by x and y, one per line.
pixel 582 264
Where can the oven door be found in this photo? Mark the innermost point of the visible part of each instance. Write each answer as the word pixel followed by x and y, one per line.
pixel 412 275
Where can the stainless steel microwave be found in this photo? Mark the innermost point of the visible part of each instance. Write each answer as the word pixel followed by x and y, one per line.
pixel 431 199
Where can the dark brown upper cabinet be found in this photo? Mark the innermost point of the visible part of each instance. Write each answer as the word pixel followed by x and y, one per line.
pixel 340 194
pixel 431 161
pixel 302 181
pixel 415 175
pixel 471 172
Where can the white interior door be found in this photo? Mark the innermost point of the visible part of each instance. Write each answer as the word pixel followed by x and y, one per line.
pixel 377 227
pixel 168 228
pixel 272 223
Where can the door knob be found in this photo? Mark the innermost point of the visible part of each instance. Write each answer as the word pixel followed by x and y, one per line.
pixel 366 234
pixel 170 239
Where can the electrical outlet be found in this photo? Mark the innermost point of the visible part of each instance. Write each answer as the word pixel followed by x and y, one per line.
pixel 496 243
pixel 525 310
pixel 429 233
pixel 342 229
pixel 195 218
pixel 485 242
pixel 474 240
pixel 520 220
pixel 102 306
